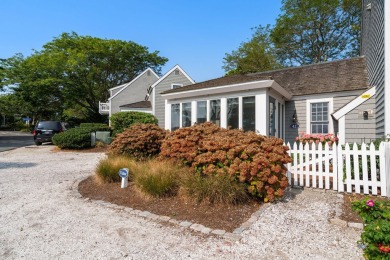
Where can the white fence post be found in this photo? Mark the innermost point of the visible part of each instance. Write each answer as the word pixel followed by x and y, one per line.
pixel 386 170
pixel 354 169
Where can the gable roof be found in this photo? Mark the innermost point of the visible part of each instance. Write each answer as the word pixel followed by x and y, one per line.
pixel 129 83
pixel 140 104
pixel 169 72
pixel 333 76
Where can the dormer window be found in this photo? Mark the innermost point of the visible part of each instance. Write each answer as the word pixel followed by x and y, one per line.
pixel 176 86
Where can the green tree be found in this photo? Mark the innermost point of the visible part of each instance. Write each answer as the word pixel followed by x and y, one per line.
pixel 78 70
pixel 255 55
pixel 317 31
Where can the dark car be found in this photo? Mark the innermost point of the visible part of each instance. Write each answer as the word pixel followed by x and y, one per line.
pixel 45 130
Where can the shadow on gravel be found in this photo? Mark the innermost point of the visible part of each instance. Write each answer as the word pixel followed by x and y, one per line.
pixel 9 165
pixel 290 194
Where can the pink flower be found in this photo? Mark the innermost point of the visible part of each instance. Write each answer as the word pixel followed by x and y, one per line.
pixel 370 203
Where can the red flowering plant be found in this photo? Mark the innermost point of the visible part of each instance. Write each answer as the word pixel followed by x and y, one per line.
pixel 316 138
pixel 252 159
pixel 376 233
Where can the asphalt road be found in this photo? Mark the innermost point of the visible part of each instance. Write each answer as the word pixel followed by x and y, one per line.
pixel 13 139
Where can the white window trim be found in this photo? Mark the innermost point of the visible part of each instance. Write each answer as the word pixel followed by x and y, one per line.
pixel 176 84
pixel 330 112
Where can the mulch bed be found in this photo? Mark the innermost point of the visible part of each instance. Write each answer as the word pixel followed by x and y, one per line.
pixel 226 217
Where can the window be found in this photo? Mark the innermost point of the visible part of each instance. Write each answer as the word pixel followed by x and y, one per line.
pixel 175 116
pixel 272 116
pixel 319 122
pixel 173 86
pixel 215 112
pixel 186 114
pixel 232 112
pixel 201 107
pixel 248 114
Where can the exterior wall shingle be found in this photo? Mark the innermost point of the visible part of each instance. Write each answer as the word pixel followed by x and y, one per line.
pixel 166 84
pixel 134 93
pixel 373 46
pixel 357 129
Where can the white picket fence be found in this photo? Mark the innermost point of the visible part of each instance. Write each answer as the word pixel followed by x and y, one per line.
pixel 341 168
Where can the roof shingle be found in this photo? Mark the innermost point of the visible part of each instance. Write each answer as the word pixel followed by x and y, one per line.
pixel 334 76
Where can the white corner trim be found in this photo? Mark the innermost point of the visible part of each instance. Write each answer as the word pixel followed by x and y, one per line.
pixel 354 103
pixel 308 113
pixel 131 82
pixel 341 134
pixel 167 115
pixel 387 66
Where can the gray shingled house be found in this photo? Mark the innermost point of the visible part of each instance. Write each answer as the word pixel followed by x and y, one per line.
pixel 142 93
pixel 344 97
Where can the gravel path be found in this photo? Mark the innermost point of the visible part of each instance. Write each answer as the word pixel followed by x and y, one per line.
pixel 42 218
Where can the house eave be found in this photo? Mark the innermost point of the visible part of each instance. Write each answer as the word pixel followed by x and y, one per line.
pixel 262 84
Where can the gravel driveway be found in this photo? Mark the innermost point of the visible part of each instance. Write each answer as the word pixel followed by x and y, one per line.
pixel 43 218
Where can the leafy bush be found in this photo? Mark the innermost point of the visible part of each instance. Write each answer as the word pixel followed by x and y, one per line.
pixel 75 138
pixel 93 127
pixel 213 189
pixel 252 159
pixel 139 141
pixel 123 120
pixel 157 178
pixel 376 232
pixel 107 169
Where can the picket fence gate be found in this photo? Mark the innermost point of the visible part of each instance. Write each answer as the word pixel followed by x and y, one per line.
pixel 363 170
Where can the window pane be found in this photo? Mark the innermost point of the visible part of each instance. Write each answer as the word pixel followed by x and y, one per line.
pixel 319 118
pixel 201 107
pixel 232 112
pixel 272 110
pixel 248 114
pixel 175 116
pixel 215 112
pixel 186 114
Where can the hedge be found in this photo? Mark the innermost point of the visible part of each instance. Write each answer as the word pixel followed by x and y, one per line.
pixel 75 138
pixel 122 120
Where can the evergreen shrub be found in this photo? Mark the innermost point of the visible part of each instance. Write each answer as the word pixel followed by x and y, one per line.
pixel 93 127
pixel 122 120
pixel 75 138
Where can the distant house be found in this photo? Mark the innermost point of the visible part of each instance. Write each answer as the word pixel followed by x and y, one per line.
pixel 345 97
pixel 143 93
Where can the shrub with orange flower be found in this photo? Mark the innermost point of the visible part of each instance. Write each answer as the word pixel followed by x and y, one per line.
pixel 253 159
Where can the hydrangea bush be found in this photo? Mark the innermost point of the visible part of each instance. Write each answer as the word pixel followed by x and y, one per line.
pixel 252 159
pixel 139 141
pixel 316 138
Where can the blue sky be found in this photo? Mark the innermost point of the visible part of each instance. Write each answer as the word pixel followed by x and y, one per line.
pixel 194 34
